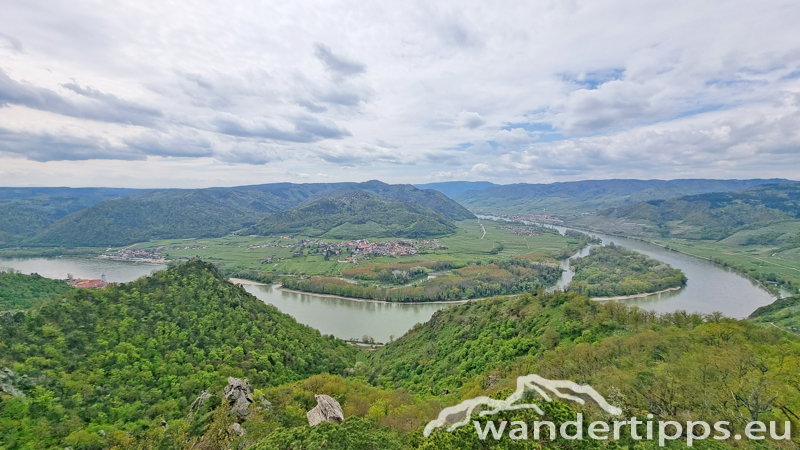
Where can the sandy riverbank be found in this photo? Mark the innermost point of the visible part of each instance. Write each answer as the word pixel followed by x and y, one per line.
pixel 243 281
pixel 627 297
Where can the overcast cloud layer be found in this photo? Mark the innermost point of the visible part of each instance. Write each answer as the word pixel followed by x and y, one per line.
pixel 211 93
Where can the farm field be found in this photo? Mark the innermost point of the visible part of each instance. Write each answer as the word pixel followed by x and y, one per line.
pixel 467 244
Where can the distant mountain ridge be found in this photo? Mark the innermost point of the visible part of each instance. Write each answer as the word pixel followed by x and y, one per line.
pixel 358 214
pixel 577 197
pixel 714 215
pixel 212 212
pixel 454 188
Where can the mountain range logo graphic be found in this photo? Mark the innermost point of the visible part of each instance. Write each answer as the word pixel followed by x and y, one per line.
pixel 547 389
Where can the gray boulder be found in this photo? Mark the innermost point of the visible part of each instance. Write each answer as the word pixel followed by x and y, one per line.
pixel 8 382
pixel 238 395
pixel 327 410
pixel 237 429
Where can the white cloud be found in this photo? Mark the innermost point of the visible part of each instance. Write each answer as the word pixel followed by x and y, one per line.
pixel 568 89
pixel 513 137
pixel 468 119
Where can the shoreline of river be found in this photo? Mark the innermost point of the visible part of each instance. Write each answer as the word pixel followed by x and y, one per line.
pixel 628 297
pixel 672 249
pixel 248 282
pixel 364 300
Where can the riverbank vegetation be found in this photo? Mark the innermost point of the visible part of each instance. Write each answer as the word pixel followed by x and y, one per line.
pixel 473 281
pixel 615 271
pixel 105 368
pixel 19 291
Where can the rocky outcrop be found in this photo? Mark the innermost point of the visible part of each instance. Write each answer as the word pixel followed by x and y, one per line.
pixel 327 410
pixel 198 403
pixel 237 429
pixel 9 382
pixel 238 394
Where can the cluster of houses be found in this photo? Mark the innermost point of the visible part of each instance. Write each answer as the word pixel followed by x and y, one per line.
pixel 83 283
pixel 519 231
pixel 150 255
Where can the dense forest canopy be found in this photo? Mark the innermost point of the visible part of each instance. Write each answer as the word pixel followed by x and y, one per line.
pixel 103 369
pixel 20 291
pixel 125 357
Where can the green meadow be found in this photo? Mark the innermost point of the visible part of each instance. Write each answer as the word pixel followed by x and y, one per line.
pixel 467 244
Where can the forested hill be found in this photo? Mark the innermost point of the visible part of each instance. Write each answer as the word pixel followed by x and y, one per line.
pixel 357 214
pixel 428 198
pixel 123 358
pixel 175 213
pixel 19 291
pixel 157 215
pixel 707 216
pixel 25 211
pixel 576 197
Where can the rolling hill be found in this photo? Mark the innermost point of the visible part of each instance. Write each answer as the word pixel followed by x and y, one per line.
pixel 127 357
pixel 358 214
pixel 185 213
pixel 156 215
pixel 571 199
pixel 713 216
pixel 26 211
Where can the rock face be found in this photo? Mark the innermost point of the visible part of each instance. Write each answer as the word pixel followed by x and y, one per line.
pixel 238 395
pixel 327 410
pixel 198 403
pixel 8 380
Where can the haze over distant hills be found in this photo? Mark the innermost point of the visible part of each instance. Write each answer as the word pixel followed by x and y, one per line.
pixel 137 216
pixel 358 214
pixel 108 216
pixel 453 188
pixel 713 216
pixel 576 197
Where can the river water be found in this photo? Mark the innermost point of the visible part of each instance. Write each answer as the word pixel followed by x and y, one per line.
pixel 710 288
pixel 342 318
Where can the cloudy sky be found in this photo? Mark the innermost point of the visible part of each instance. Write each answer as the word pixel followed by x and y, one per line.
pixel 217 93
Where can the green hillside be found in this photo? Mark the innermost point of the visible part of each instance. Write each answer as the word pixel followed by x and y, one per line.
pixel 103 369
pixel 86 220
pixel 358 214
pixel 571 199
pixel 428 198
pixel 706 216
pixel 26 211
pixel 784 312
pixel 20 291
pixel 156 215
pixel 123 358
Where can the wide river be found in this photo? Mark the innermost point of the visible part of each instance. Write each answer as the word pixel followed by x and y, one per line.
pixel 710 288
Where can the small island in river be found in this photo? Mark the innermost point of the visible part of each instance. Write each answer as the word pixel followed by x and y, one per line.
pixel 613 271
